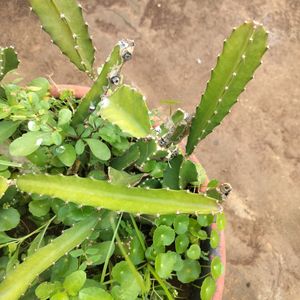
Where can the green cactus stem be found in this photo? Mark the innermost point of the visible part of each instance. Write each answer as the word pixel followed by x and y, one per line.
pixel 127 159
pixel 241 55
pixel 8 60
pixel 63 21
pixel 113 65
pixel 126 108
pixel 17 281
pixel 101 194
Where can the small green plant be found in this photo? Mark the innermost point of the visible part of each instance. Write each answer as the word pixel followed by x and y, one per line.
pixel 97 200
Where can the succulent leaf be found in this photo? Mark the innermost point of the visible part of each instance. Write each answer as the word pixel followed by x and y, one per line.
pixel 85 191
pixel 191 174
pixel 126 159
pixel 114 65
pixel 8 61
pixel 63 21
pixel 19 279
pixel 123 178
pixel 147 148
pixel 171 174
pixel 126 108
pixel 241 55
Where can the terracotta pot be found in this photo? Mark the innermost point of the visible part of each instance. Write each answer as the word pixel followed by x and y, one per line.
pixel 79 92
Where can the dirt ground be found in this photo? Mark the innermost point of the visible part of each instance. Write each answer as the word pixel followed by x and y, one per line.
pixel 257 147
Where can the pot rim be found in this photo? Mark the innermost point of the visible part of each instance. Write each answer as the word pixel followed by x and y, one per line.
pixel 79 92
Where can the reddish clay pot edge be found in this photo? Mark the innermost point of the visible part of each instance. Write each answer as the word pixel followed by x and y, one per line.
pixel 79 92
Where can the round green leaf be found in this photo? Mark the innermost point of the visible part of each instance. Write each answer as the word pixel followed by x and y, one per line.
pixel 9 218
pixel 181 243
pixel 189 272
pixel 60 296
pixel 216 267
pixel 94 293
pixel 39 208
pixel 46 289
pixel 221 221
pixel 163 235
pixel 152 252
pixel 208 289
pixel 205 220
pixel 181 224
pixel 214 239
pixel 66 154
pixel 164 220
pixel 122 273
pixel 99 149
pixel 164 264
pixel 194 252
pixel 74 282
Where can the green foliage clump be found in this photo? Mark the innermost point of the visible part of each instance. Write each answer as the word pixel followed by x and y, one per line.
pixel 97 198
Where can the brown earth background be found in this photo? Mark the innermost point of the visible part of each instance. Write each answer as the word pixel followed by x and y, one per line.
pixel 257 147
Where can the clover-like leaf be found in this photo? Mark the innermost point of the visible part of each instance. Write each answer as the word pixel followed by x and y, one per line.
pixel 126 108
pixel 181 224
pixel 163 235
pixel 217 268
pixel 181 243
pixel 189 272
pixel 164 220
pixel 208 289
pixel 205 220
pixel 194 252
pixel 98 252
pixel 39 208
pixel 164 264
pixel 9 218
pixel 99 149
pixel 74 282
pixel 94 293
pixel 214 239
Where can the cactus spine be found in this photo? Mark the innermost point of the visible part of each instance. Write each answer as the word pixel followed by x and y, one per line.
pixel 241 55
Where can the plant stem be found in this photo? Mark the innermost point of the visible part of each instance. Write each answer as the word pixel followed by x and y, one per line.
pixel 130 264
pixel 138 232
pixel 109 250
pixel 160 281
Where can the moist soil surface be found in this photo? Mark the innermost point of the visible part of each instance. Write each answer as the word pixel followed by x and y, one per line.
pixel 257 147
